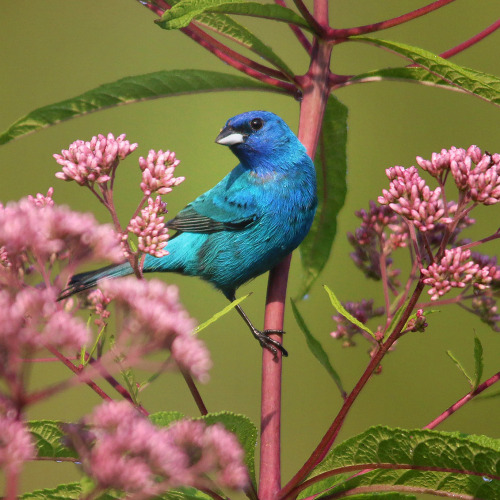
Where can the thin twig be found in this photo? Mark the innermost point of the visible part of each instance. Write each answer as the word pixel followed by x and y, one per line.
pixel 335 34
pixel 462 401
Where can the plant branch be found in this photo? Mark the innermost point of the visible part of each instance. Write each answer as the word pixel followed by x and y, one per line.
pixel 462 401
pixel 297 31
pixel 332 433
pixel 471 41
pixel 194 392
pixel 231 57
pixel 335 34
pixel 270 427
pixel 315 25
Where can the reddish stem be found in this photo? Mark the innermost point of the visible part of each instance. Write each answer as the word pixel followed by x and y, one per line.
pixel 332 433
pixel 194 392
pixel 335 34
pixel 297 31
pixel 471 41
pixel 270 428
pixel 453 408
pixel 234 59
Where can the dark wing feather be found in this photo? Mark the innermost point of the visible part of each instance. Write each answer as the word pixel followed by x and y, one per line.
pixel 190 221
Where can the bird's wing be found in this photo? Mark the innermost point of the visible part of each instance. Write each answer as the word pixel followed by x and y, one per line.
pixel 216 211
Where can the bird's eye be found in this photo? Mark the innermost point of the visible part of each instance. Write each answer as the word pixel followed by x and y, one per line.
pixel 256 123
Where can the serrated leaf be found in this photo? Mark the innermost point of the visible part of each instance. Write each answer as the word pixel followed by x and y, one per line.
pixel 409 74
pixel 331 171
pixel 342 310
pixel 245 431
pixel 182 13
pixel 221 313
pixel 391 495
pixel 459 365
pixel 49 439
pixel 478 362
pixel 165 418
pixel 129 90
pixel 474 460
pixel 474 82
pixel 317 349
pixel 61 492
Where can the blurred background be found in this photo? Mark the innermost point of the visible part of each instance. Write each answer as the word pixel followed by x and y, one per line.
pixel 56 49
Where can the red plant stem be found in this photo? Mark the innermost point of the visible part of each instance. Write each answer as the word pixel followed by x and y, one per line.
pixel 315 87
pixel 297 31
pixel 453 408
pixel 237 61
pixel 332 433
pixel 270 426
pixel 318 28
pixel 12 480
pixel 335 34
pixel 77 371
pixel 471 41
pixel 194 392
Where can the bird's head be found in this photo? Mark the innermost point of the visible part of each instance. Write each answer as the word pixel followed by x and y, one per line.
pixel 258 138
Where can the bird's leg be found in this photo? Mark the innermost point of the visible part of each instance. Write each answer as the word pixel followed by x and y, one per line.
pixel 262 336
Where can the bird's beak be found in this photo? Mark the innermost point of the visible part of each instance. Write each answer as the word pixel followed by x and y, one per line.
pixel 229 137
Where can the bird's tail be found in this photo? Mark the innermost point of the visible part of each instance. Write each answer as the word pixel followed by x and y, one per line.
pixel 84 281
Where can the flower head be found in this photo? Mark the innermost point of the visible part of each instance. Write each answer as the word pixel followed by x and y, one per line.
pixel 150 228
pixel 154 318
pixel 16 443
pixel 158 172
pixel 126 451
pixel 455 270
pixel 409 196
pixel 93 161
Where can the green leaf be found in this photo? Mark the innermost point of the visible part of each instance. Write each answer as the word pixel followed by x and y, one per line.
pixel 61 492
pixel 235 31
pixel 488 395
pixel 182 13
pixel 317 350
pixel 478 362
pixel 449 462
pixel 129 90
pixel 245 431
pixel 165 418
pixel 219 314
pixel 391 495
pixel 49 439
pixel 460 367
pixel 474 82
pixel 331 170
pixel 341 309
pixel 409 74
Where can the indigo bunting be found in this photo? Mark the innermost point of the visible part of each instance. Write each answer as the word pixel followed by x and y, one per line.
pixel 247 223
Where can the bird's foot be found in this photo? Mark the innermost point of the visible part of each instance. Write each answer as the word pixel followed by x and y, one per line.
pixel 268 343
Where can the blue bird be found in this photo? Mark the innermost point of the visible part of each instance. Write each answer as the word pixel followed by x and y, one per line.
pixel 247 223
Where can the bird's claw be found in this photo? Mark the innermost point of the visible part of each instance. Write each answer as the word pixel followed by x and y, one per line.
pixel 268 343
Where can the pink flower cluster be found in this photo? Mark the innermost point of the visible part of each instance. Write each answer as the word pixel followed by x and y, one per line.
pixel 455 270
pixel 32 319
pixel 158 172
pixel 153 317
pixel 130 454
pixel 411 197
pixel 94 160
pixel 150 228
pixel 479 182
pixel 16 444
pixel 32 230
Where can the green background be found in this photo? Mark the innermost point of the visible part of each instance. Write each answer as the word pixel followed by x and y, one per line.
pixel 54 50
